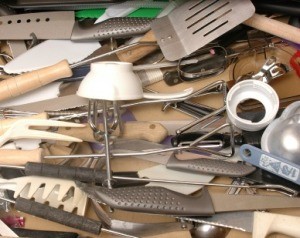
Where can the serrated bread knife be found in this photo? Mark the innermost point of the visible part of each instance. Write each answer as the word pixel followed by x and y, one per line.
pixel 61 25
pixel 157 200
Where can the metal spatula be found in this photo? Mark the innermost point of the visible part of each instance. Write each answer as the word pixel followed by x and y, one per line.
pixel 198 22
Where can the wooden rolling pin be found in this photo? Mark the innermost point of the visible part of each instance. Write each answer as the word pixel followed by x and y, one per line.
pixel 149 131
pixel 274 27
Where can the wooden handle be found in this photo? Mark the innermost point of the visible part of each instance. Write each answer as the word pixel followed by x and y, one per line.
pixel 267 223
pixel 20 157
pixel 26 82
pixel 139 52
pixel 149 131
pixel 6 123
pixel 274 27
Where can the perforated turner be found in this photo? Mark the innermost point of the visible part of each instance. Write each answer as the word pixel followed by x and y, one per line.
pixel 55 192
pixel 196 23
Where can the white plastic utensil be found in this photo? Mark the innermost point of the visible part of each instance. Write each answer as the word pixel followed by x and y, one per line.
pixel 266 223
pixel 20 129
pixel 255 90
pixel 116 81
pixel 55 192
pixel 111 81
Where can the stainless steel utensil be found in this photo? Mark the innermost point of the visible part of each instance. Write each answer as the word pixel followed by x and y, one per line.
pixel 209 231
pixel 62 25
pixel 196 23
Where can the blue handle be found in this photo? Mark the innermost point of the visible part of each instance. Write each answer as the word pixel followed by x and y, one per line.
pixel 274 164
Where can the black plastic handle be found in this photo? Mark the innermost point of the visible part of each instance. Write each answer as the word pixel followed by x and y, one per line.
pixel 66 172
pixel 191 136
pixel 246 137
pixel 57 215
pixel 79 173
pixel 44 233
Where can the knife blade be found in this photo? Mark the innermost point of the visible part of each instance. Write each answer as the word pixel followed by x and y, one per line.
pixel 157 200
pixel 61 25
pixel 242 221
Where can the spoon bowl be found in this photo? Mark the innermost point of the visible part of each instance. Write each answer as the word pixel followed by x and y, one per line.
pixel 209 231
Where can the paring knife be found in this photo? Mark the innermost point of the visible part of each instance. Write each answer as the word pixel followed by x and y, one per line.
pixel 62 25
pixel 157 200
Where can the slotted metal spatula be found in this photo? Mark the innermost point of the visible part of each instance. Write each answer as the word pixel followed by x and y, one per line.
pixel 198 22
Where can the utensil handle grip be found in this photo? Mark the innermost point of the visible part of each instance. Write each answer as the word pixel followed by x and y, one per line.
pixel 7 123
pixel 20 157
pixel 21 232
pixel 26 82
pixel 149 131
pixel 57 215
pixel 67 172
pixel 139 52
pixel 271 163
pixel 274 27
pixel 157 200
pixel 210 166
pixel 275 223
